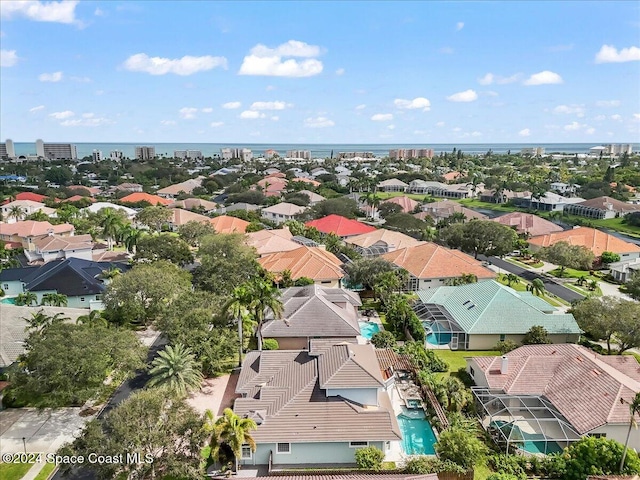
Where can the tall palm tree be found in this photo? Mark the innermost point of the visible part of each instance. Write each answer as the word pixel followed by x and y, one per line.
pixel 634 410
pixel 238 307
pixel 511 278
pixel 175 368
pixel 130 237
pixel 111 224
pixel 54 299
pixel 537 287
pixel 458 395
pixel 232 430
pixel 373 200
pixel 16 212
pixel 264 299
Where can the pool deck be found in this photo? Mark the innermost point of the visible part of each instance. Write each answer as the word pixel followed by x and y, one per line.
pixel 372 319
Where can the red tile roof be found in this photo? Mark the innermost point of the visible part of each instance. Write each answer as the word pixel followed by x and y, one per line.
pixel 77 198
pixel 35 197
pixel 310 262
pixel 528 223
pixel 145 197
pixel 228 224
pixel 407 204
pixel 31 228
pixel 341 226
pixel 595 240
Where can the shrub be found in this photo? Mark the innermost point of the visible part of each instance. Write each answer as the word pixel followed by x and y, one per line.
pixel 270 344
pixel 536 335
pixel 506 346
pixel 369 458
pixel 461 448
pixel 508 464
pixel 506 476
pixel 598 456
pixel 383 339
pixel 426 465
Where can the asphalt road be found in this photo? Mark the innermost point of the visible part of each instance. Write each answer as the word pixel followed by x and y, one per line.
pixel 553 287
pixel 123 392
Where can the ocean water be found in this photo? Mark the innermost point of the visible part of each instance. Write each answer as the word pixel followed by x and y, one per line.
pixel 317 150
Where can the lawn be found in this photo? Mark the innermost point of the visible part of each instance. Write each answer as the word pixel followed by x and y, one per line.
pixel 455 358
pixel 415 196
pixel 14 471
pixel 46 471
pixel 480 472
pixel 473 203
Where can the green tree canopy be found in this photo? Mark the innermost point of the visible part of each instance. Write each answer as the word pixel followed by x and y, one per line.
pixel 192 232
pixel 565 255
pixel 144 292
pixel 343 206
pixel 365 271
pixel 536 335
pixel 225 263
pixel 633 285
pixel 598 456
pixel 457 446
pixel 152 248
pixel 154 217
pixel 66 364
pixel 176 369
pixel 609 257
pixel 480 237
pixel 165 432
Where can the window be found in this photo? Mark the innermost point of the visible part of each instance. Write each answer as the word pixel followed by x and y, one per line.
pixel 325 281
pixel 283 448
pixel 472 372
pixel 82 299
pixel 414 284
pixel 358 444
pixel 6 286
pixel 502 337
pixel 246 452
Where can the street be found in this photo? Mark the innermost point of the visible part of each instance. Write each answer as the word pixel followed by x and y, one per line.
pixel 557 289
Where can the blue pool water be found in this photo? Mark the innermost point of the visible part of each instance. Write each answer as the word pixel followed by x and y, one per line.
pixel 436 336
pixel 367 329
pixel 417 436
pixel 529 442
pixel 10 301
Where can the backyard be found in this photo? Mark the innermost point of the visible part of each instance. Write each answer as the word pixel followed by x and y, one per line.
pixel 456 358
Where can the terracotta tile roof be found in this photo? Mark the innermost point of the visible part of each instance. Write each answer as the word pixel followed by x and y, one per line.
pixel 315 183
pixel 341 226
pixel 187 187
pixel 145 197
pixel 316 311
pixel 407 204
pixel 528 223
pixel 180 217
pixel 383 237
pixel 313 197
pixel 284 208
pixel 227 224
pixel 195 203
pixel 31 228
pixel 281 391
pixel 387 358
pixel 429 260
pixel 76 198
pixel 311 262
pixel 446 208
pixel 52 243
pixel 271 241
pixel 451 176
pixel 36 197
pixel 608 203
pixel 92 190
pixel 585 387
pixel 595 240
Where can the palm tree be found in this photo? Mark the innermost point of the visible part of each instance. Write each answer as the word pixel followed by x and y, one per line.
pixel 457 217
pixel 54 299
pixel 111 223
pixel 94 318
pixel 27 298
pixel 232 430
pixel 634 410
pixel 40 321
pixel 373 200
pixel 16 212
pixel 264 298
pixel 237 306
pixel 130 237
pixel 109 274
pixel 175 367
pixel 537 287
pixel 458 395
pixel 511 278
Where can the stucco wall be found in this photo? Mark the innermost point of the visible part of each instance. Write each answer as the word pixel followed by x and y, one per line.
pixel 364 396
pixel 12 288
pixel 329 453
pixel 488 342
pixel 619 432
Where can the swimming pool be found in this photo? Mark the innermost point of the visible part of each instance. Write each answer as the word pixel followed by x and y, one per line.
pixel 10 301
pixel 435 336
pixel 417 435
pixel 529 442
pixel 368 329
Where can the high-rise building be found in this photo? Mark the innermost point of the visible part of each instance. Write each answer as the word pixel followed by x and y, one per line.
pixel 618 149
pixel 145 153
pixel 96 156
pixel 302 154
pixel 182 154
pixel 410 153
pixel 116 155
pixel 56 151
pixel 194 154
pixel 534 151
pixel 7 152
pixel 243 154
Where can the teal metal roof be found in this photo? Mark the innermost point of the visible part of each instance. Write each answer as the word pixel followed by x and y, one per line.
pixel 492 308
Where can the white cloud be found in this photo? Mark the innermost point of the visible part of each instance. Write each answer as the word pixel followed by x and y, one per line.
pixel 80 79
pixel 590 131
pixel 217 124
pixel 616 117
pixel 490 93
pixel 417 103
pixel 36 109
pixel 636 116
pixel 599 118
pixel 608 103
pixel 610 54
pixel 98 12
pixel 457 129
pixel 476 134
pixel 340 72
pixel 231 105
pixel 277 105
pixel 188 113
pixel 187 65
pixel 490 78
pixel 391 127
pixel 486 80
pixel 382 117
pixel 573 126
pixel 207 110
pixel 466 96
pixel 62 115
pixel 446 50
pixel 361 107
pixel 269 88
pixel 543 78
pixel 86 122
pixel 88 115
pixel 525 132
pixel 577 110
pixel 459 26
pixel 440 124
pixel 50 77
pixel 58 12
pixel 318 122
pixel 8 58
pixel 252 114
pixel 266 61
pixel 167 122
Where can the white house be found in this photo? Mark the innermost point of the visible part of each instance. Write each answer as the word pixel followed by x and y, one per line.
pixel 281 212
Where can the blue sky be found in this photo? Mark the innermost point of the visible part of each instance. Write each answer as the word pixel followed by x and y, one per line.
pixel 320 72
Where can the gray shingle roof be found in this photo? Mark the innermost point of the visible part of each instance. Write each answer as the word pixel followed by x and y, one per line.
pixel 315 311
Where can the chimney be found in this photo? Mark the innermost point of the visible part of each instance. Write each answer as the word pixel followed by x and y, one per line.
pixel 504 365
